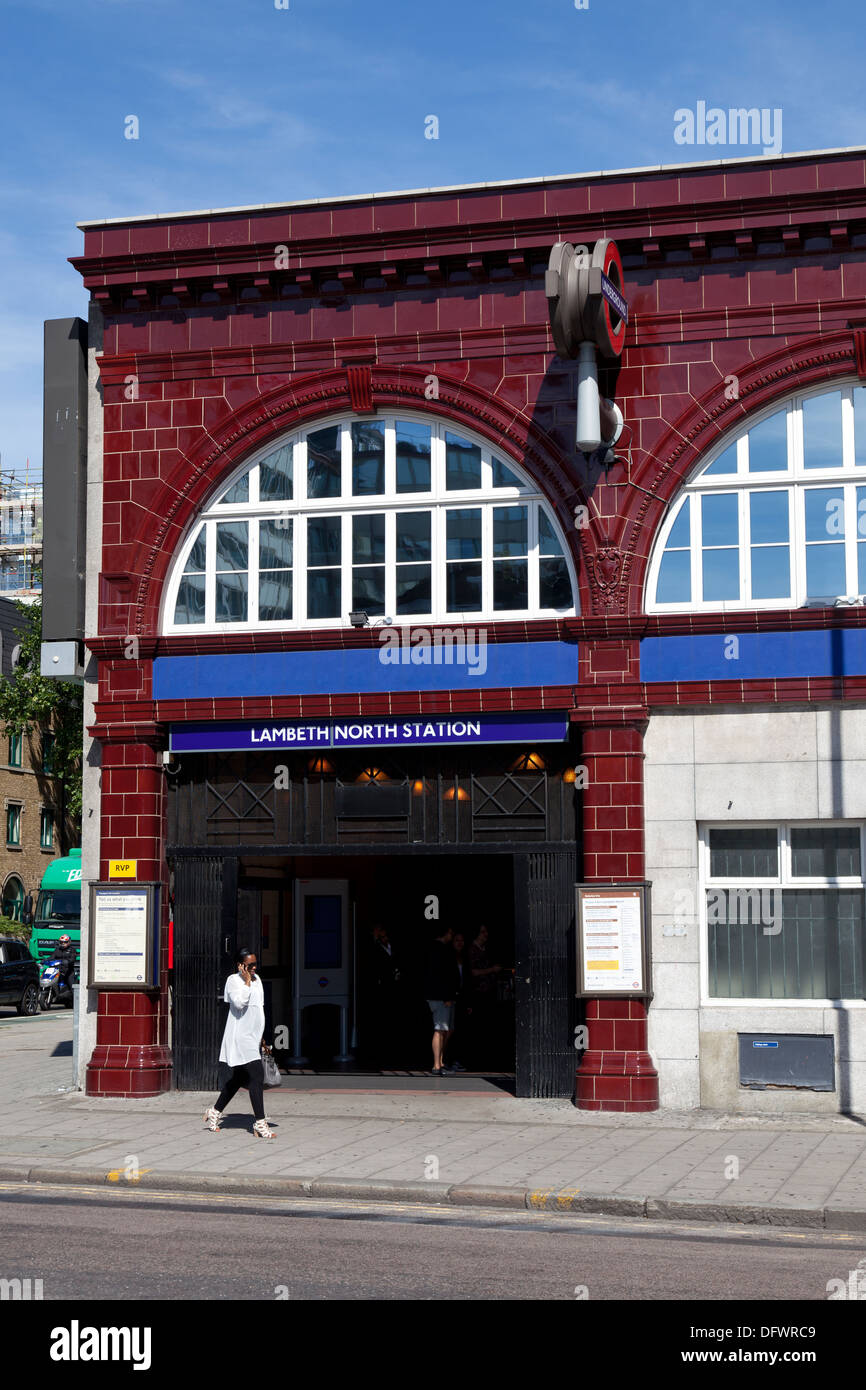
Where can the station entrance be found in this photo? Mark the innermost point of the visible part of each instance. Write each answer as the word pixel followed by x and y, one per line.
pixel 344 945
pixel 340 882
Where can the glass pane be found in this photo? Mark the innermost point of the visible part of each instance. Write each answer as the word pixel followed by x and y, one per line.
pixel 413 457
pixel 822 431
pixel 413 536
pixel 275 543
pixel 725 463
pixel 818 953
pixel 275 595
pixel 231 598
pixel 680 535
pixel 771 571
pixel 510 584
pixel 825 571
pixel 190 600
pixel 323 593
pixel 368 539
pixel 462 463
pixel 825 513
pixel 719 519
pixel 463 533
pixel 861 511
pixel 275 475
pixel 239 491
pixel 744 853
pixel 675 577
pixel 721 575
pixel 768 445
pixel 860 424
pixel 323 462
pixel 553 584
pixel 768 518
pixel 368 588
pixel 548 541
pixel 464 588
pixel 368 458
pixel 825 851
pixel 413 589
pixel 232 549
pixel 502 476
pixel 323 540
pixel 861 567
pixel 510 531
pixel 197 556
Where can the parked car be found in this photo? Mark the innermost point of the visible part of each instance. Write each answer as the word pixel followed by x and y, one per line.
pixel 19 976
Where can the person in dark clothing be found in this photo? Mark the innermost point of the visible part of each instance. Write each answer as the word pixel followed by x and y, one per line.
pixel 458 1041
pixel 67 955
pixel 383 996
pixel 442 984
pixel 483 972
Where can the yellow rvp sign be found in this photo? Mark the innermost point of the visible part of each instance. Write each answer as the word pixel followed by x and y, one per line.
pixel 122 868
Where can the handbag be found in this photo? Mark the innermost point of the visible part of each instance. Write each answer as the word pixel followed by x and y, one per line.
pixel 273 1076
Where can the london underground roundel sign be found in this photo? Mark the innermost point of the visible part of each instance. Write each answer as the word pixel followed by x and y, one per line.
pixel 612 313
pixel 585 297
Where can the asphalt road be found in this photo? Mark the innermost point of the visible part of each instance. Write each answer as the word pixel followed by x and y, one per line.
pixel 95 1244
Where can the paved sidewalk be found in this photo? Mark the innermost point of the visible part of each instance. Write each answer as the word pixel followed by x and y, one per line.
pixel 468 1149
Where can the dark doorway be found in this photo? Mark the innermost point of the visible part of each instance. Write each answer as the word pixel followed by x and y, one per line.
pixel 397 905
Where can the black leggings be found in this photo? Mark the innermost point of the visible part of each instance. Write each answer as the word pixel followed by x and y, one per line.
pixel 252 1075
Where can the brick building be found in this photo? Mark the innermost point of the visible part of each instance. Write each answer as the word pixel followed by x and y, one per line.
pixel 36 830
pixel 322 420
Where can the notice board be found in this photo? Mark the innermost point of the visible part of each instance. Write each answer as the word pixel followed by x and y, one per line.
pixel 124 936
pixel 613 957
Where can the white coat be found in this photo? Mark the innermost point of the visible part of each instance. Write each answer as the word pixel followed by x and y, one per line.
pixel 245 1024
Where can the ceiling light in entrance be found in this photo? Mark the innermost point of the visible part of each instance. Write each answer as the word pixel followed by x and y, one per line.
pixel 373 774
pixel 528 762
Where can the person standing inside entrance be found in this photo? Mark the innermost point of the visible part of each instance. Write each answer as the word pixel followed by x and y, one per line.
pixel 242 1044
pixel 442 984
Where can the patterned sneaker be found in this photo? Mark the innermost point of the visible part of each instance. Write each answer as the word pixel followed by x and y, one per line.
pixel 213 1119
pixel 261 1129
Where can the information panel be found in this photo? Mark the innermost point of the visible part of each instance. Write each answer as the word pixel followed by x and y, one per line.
pixel 612 948
pixel 123 936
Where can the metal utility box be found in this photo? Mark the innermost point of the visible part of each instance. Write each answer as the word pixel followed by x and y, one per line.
pixel 801 1060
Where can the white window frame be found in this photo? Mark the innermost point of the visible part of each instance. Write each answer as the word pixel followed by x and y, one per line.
pixel 795 480
pixel 784 879
pixel 437 501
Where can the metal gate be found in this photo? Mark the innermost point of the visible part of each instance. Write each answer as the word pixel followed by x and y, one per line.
pixel 545 972
pixel 205 924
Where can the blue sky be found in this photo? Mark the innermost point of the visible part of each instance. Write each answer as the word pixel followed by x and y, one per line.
pixel 239 102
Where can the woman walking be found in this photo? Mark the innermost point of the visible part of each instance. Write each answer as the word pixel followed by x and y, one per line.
pixel 242 1042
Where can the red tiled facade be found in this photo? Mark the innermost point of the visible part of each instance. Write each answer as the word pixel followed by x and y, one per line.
pixel 223 331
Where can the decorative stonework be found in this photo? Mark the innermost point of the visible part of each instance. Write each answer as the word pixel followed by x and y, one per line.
pixel 608 572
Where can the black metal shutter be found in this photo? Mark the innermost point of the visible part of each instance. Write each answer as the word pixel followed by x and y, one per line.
pixel 545 973
pixel 205 914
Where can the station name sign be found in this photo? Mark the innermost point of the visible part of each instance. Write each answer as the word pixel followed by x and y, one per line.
pixel 545 726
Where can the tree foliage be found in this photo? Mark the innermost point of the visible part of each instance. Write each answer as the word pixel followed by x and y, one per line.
pixel 31 701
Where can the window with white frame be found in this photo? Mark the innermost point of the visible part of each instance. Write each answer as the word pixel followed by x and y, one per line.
pixel 403 518
pixel 777 518
pixel 784 911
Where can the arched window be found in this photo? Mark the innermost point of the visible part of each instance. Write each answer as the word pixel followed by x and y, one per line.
pixel 776 518
pixel 13 898
pixel 400 518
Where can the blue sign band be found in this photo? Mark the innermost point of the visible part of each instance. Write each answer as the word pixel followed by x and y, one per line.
pixel 545 726
pixel 475 665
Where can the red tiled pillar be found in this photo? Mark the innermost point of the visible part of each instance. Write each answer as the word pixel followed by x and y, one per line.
pixel 616 1071
pixel 131 1057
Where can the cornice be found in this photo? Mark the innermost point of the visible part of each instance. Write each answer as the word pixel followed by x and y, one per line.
pixel 505 248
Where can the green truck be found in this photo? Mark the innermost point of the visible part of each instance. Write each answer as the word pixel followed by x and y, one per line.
pixel 58 908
